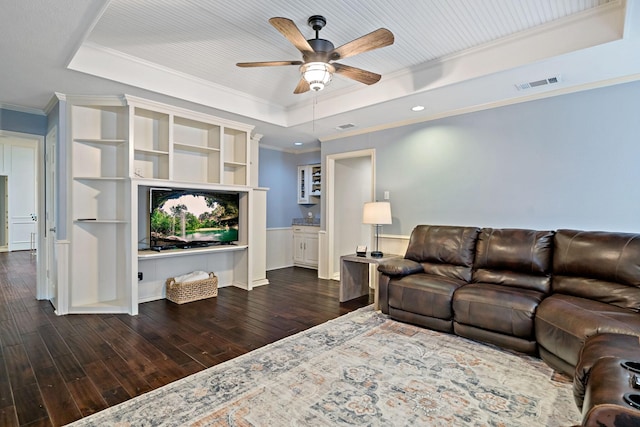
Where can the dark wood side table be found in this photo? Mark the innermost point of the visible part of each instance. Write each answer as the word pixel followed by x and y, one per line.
pixel 354 276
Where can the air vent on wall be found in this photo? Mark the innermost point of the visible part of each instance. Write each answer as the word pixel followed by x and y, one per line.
pixel 346 126
pixel 538 83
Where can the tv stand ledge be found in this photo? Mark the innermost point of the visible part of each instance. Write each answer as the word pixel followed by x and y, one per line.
pixel 150 253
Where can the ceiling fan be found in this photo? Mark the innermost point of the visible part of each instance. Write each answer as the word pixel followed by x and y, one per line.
pixel 317 66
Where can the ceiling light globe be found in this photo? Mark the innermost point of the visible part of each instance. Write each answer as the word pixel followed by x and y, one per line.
pixel 317 74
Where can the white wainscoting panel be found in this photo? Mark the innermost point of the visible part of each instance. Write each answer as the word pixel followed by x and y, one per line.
pixel 323 260
pixel 279 248
pixel 394 244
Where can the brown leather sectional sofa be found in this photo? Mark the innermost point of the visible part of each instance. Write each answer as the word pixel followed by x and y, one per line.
pixel 572 297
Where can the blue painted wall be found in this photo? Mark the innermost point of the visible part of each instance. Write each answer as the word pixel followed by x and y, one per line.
pixel 17 121
pixel 570 161
pixel 278 172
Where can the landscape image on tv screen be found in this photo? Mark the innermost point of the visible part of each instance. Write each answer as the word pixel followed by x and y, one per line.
pixel 190 217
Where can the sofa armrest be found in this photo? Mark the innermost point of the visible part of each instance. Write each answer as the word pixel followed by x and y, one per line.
pixel 399 267
pixel 599 346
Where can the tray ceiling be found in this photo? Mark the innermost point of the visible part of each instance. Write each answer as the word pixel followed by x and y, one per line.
pixel 207 39
pixel 451 56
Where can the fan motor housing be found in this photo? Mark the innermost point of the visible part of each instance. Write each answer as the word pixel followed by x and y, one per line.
pixel 321 49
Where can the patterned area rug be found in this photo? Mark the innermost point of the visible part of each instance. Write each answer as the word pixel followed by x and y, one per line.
pixel 360 369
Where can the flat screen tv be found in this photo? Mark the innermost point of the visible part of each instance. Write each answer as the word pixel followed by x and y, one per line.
pixel 190 218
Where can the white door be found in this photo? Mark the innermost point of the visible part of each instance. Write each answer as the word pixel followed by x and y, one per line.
pixel 303 184
pixel 311 249
pixel 50 218
pixel 22 199
pixel 298 247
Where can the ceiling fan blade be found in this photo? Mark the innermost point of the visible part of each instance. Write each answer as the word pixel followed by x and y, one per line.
pixel 267 63
pixel 358 74
pixel 289 29
pixel 374 40
pixel 303 86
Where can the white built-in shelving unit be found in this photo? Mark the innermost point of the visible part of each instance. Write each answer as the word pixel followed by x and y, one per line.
pixel 119 148
pixel 309 184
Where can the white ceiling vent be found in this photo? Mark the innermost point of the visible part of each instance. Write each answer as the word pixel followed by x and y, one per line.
pixel 538 83
pixel 346 126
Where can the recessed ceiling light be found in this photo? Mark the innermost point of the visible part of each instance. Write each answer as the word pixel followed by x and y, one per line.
pixel 297 143
pixel 417 108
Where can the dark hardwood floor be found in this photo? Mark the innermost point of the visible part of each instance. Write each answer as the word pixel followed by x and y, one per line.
pixel 57 369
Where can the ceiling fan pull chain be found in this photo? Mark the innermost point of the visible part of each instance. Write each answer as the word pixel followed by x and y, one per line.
pixel 313 118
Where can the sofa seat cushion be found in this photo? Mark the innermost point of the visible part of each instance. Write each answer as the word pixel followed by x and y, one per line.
pixel 522 345
pixel 497 308
pixel 423 294
pixel 596 347
pixel 563 322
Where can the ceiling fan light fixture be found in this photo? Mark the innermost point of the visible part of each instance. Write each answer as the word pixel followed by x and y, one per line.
pixel 317 74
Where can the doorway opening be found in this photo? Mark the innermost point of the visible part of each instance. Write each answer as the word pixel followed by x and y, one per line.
pixel 21 189
pixel 351 183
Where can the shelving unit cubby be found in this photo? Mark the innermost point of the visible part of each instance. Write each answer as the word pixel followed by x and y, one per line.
pixel 235 156
pixel 151 144
pixel 100 224
pixel 196 148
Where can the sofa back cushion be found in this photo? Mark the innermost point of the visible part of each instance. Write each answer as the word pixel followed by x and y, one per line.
pixel 598 265
pixel 514 257
pixel 444 250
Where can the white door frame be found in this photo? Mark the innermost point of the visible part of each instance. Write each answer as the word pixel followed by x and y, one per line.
pixel 330 199
pixel 4 182
pixel 49 218
pixel 38 144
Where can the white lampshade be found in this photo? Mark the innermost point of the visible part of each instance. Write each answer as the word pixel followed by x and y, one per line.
pixel 376 213
pixel 317 74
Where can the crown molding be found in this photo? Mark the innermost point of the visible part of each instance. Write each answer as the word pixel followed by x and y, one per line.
pixel 20 109
pixel 290 150
pixel 486 106
pixel 114 65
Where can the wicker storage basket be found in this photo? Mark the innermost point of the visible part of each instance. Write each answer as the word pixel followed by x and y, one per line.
pixel 192 291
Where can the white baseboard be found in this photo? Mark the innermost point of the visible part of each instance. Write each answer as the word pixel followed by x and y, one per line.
pixel 149 299
pixel 156 290
pixel 260 282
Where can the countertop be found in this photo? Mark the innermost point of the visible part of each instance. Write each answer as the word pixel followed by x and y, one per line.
pixel 309 222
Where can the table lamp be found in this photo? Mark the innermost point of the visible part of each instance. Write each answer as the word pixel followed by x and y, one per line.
pixel 376 213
